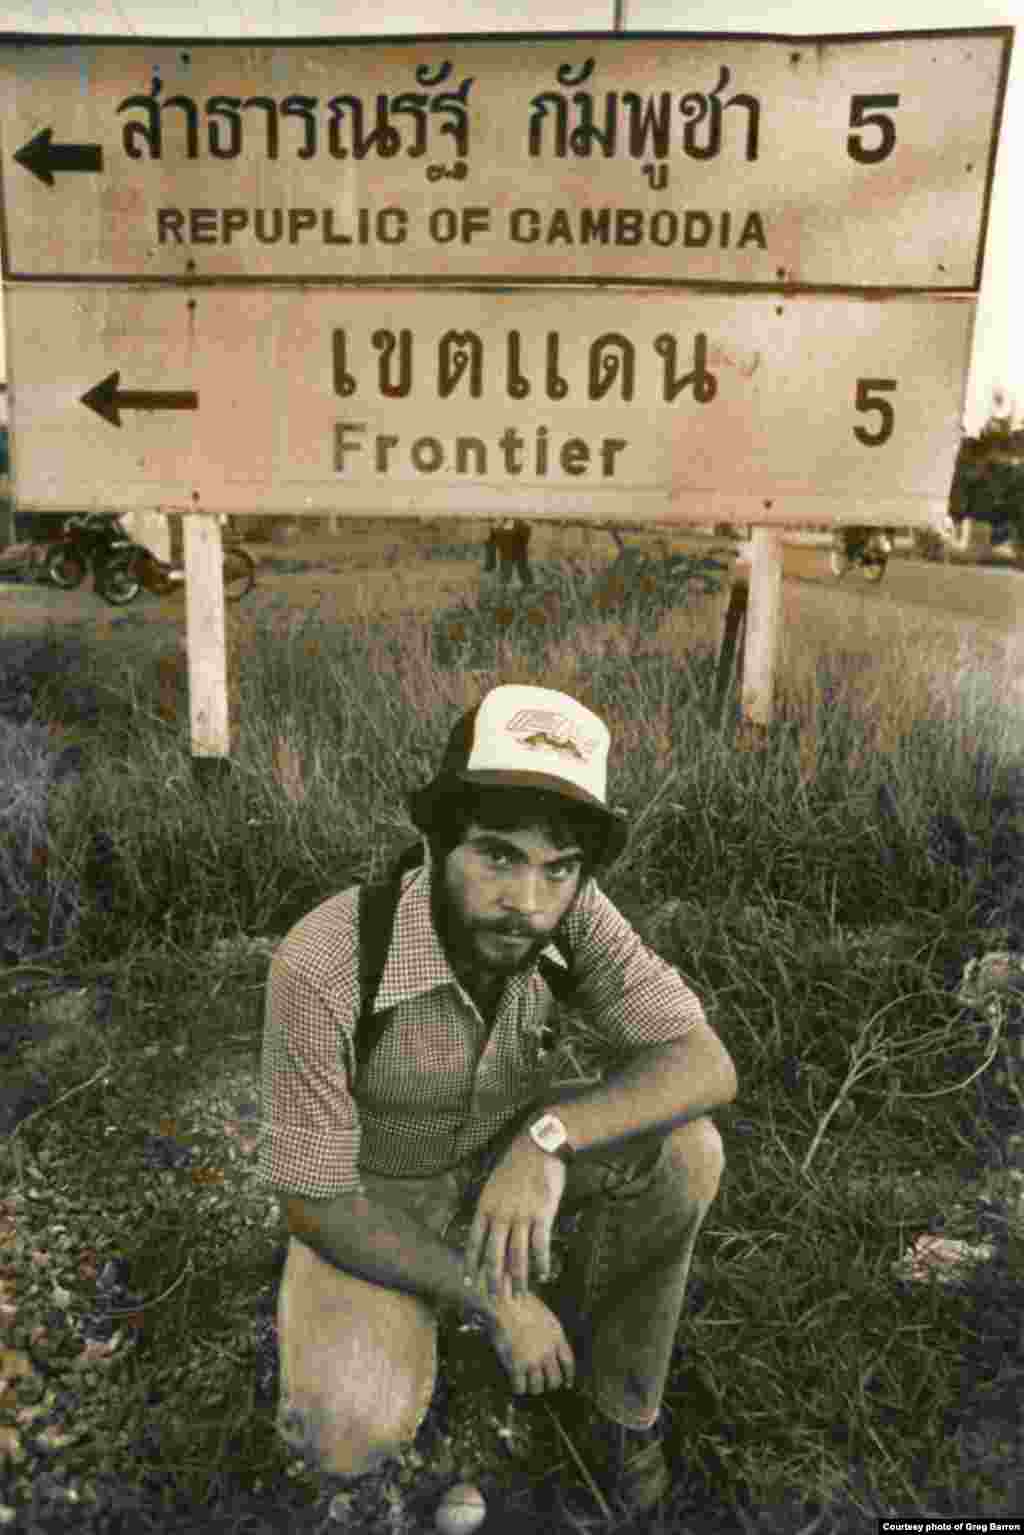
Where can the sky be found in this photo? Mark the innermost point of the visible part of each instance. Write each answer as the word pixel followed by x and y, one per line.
pixel 997 362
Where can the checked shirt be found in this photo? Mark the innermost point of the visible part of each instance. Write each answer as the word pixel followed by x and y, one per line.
pixel 442 1081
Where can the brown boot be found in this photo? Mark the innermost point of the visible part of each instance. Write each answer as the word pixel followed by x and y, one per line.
pixel 628 1464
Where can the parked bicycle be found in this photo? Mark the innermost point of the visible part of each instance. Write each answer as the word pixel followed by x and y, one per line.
pixel 865 549
pixel 89 540
pixel 140 567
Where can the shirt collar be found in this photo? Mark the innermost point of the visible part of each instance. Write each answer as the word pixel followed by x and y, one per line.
pixel 416 961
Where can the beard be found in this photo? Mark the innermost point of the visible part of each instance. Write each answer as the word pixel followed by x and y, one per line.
pixel 474 949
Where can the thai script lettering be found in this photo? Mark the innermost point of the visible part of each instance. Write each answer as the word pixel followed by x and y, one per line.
pixel 342 126
pixel 460 362
pixel 640 125
pixel 433 121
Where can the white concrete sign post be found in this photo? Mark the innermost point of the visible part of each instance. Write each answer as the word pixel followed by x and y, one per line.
pixel 629 278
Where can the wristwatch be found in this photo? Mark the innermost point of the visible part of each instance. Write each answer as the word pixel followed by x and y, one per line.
pixel 549 1133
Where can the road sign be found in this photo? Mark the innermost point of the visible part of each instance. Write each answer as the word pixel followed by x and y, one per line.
pixel 676 407
pixel 839 161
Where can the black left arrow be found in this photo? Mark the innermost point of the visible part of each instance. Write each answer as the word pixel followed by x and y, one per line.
pixel 108 401
pixel 42 156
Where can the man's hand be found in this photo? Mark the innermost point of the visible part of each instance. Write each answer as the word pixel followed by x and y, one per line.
pixel 514 1216
pixel 529 1340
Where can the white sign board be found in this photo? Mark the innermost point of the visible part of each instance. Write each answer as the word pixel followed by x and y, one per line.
pixel 838 161
pixel 682 408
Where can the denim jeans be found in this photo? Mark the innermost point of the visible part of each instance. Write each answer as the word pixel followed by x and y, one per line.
pixel 359 1361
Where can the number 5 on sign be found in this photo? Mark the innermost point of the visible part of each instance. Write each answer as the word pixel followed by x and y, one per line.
pixel 864 113
pixel 870 397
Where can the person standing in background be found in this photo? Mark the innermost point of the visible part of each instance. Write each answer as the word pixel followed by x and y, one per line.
pixel 507 548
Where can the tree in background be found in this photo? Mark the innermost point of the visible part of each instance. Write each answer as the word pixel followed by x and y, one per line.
pixel 988 482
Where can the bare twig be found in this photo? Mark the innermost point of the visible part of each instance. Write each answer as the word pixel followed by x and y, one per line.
pixel 37 969
pixel 147 1305
pixel 576 1457
pixel 28 969
pixel 48 1106
pixel 959 1086
pixel 1011 1074
pixel 14 1145
pixel 871 1052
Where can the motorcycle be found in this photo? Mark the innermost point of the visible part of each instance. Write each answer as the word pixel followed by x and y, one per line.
pixel 93 539
pixel 867 549
pixel 160 577
pixel 23 561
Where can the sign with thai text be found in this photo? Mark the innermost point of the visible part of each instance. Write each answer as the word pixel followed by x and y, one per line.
pixel 673 407
pixel 651 158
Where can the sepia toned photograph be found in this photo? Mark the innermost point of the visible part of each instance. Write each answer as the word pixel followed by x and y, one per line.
pixel 511 769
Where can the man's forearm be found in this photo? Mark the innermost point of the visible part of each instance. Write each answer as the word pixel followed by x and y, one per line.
pixel 387 1247
pixel 663 1087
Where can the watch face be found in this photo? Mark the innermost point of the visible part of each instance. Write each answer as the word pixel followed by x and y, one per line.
pixel 548 1132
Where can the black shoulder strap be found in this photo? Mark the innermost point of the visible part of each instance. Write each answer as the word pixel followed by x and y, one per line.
pixel 562 982
pixel 378 903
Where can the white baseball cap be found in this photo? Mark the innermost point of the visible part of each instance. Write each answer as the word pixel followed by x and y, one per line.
pixel 522 736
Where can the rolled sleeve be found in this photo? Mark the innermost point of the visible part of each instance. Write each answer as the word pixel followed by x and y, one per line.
pixel 629 993
pixel 311 1124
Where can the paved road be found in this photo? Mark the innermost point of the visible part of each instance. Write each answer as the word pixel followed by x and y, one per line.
pixel 989 594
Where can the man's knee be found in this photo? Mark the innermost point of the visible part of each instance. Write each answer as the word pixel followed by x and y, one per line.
pixel 358 1364
pixel 344 1445
pixel 696 1150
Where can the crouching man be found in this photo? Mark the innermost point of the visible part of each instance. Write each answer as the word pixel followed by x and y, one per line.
pixel 450 1123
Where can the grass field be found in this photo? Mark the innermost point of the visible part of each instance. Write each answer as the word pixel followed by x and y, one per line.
pixel 821 889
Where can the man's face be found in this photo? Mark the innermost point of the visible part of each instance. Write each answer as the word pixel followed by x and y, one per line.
pixel 506 893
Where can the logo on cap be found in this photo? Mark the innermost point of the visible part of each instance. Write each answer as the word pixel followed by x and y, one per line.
pixel 553 731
